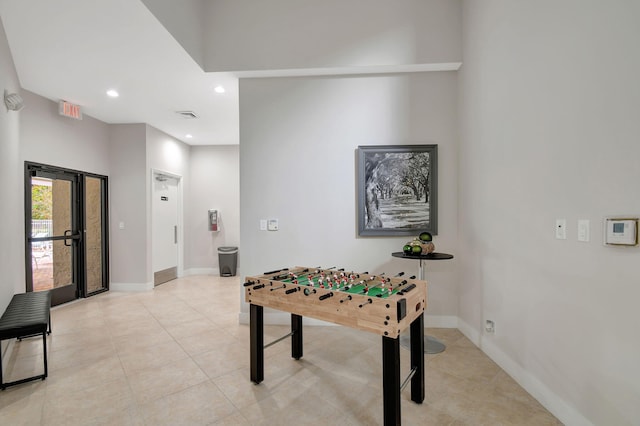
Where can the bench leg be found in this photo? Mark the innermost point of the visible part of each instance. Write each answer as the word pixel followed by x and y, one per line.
pixel 43 376
pixel 44 347
pixel 2 387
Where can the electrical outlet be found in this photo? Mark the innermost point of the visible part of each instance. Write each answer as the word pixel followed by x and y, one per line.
pixel 561 229
pixel 490 326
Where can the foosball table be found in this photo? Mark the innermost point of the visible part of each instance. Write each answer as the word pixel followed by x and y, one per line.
pixel 386 306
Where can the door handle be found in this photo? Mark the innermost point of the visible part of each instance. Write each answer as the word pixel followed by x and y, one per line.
pixel 69 236
pixel 175 234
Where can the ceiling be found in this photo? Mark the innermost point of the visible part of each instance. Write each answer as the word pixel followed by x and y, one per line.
pixel 77 50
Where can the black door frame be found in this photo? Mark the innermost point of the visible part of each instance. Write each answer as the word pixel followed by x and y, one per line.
pixel 78 233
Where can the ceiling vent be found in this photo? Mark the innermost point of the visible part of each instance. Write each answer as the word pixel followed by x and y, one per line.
pixel 187 114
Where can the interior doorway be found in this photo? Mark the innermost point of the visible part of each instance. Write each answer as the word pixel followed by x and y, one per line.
pixel 165 226
pixel 66 232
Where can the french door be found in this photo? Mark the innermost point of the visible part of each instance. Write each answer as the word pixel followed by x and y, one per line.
pixel 65 232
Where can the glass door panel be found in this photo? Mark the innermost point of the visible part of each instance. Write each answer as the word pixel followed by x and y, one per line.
pixel 95 244
pixel 66 232
pixel 41 228
pixel 54 235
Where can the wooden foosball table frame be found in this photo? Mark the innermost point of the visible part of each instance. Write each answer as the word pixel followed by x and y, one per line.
pixel 400 307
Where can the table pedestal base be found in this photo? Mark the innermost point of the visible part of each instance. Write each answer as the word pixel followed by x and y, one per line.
pixel 431 344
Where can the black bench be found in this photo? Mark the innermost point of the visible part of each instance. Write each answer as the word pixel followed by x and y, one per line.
pixel 27 315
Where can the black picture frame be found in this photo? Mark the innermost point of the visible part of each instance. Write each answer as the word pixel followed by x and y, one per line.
pixel 393 181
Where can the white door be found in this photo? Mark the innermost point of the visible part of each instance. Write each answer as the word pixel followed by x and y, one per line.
pixel 164 220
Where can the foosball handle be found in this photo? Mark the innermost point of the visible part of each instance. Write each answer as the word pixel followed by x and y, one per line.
pixel 326 295
pixel 407 290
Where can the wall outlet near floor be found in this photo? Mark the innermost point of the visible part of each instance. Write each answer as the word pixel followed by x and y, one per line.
pixel 490 326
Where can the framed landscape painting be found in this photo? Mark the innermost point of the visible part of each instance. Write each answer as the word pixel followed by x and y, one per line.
pixel 397 190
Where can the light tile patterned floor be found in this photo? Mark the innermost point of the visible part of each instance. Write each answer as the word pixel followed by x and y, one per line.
pixel 177 356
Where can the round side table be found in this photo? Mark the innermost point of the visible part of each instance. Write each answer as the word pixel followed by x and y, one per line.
pixel 431 344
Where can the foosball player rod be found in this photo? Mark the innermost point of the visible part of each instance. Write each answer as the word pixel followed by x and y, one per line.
pixel 346 298
pixel 369 301
pixel 361 282
pixel 405 282
pixel 275 272
pixel 289 274
pixel 366 290
pixel 278 288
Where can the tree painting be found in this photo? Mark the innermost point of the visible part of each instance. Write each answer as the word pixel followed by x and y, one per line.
pixel 397 189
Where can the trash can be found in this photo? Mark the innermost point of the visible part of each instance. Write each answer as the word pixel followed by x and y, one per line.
pixel 228 261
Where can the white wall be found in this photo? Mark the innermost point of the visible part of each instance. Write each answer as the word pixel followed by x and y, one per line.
pixel 49 138
pixel 128 204
pixel 167 154
pixel 185 23
pixel 11 176
pixel 214 177
pixel 298 141
pixel 549 115
pixel 283 34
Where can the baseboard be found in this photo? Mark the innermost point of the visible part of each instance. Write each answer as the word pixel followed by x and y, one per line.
pixel 469 332
pixel 131 287
pixel 202 271
pixel 550 400
pixel 440 321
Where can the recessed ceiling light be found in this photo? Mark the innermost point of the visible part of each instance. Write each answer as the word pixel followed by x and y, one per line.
pixel 219 89
pixel 112 93
pixel 188 136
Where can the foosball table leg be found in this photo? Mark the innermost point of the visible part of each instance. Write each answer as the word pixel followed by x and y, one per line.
pixel 417 359
pixel 391 380
pixel 296 336
pixel 256 342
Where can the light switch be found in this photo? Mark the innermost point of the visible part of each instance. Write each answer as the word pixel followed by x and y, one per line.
pixel 263 224
pixel 561 229
pixel 583 230
pixel 121 225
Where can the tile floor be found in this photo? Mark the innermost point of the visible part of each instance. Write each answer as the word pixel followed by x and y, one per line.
pixel 177 356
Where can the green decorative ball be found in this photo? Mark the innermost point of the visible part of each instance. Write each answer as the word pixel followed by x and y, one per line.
pixel 426 237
